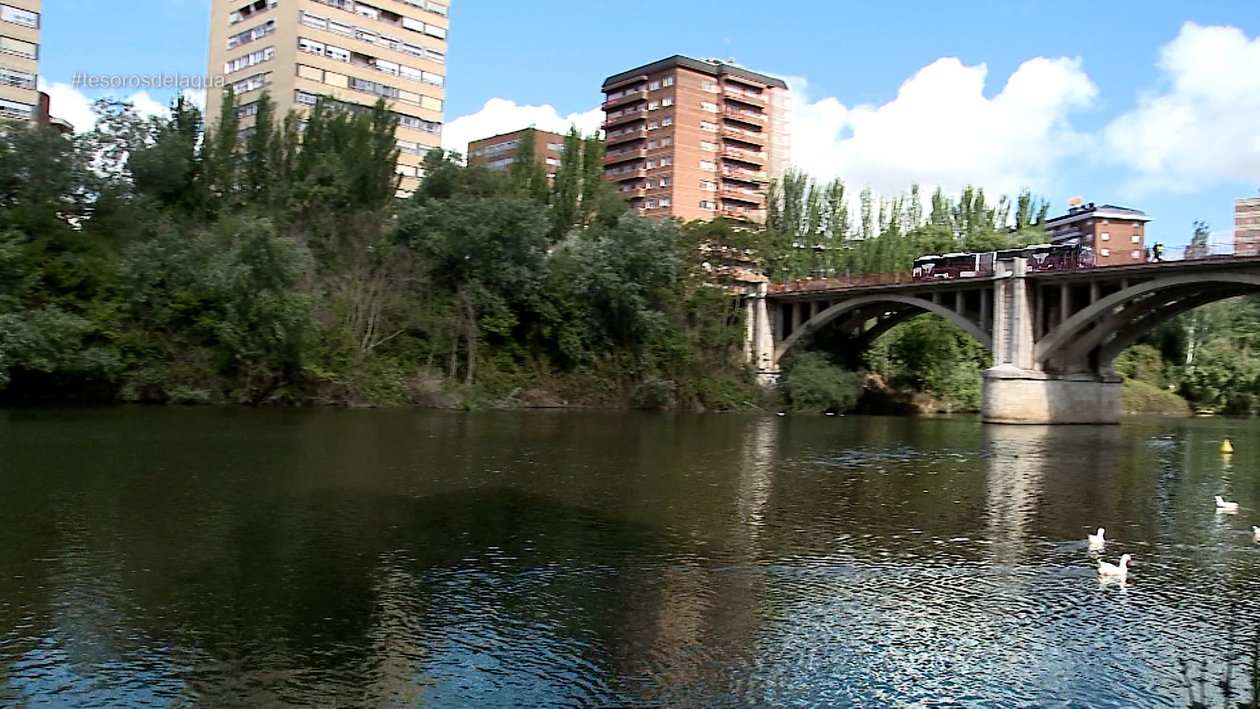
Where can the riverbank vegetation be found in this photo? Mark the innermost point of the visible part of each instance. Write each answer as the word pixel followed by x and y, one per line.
pixel 153 260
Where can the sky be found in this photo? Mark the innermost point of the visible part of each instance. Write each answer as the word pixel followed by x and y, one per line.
pixel 1153 105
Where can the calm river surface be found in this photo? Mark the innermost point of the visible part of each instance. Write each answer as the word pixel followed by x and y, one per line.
pixel 232 557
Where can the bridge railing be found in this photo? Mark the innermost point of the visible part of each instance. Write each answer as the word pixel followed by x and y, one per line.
pixel 856 280
pixel 1194 253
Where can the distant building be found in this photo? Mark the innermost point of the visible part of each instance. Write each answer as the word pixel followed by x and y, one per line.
pixel 44 117
pixel 352 53
pixel 1247 227
pixel 1116 234
pixel 499 151
pixel 19 60
pixel 696 139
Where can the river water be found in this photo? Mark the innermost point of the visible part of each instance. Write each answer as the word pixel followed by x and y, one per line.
pixel 233 557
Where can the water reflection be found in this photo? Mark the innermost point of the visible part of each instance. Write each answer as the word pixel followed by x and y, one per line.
pixel 366 558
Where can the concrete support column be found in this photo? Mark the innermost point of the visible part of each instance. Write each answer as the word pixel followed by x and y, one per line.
pixel 795 308
pixel 1039 312
pixel 1065 303
pixel 1015 390
pixel 986 298
pixel 762 333
pixel 960 302
pixel 936 297
pixel 1094 293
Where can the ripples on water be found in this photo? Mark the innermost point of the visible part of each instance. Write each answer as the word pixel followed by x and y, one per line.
pixel 163 556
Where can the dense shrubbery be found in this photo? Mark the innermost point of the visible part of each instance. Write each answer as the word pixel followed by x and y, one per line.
pixel 151 260
pixel 814 384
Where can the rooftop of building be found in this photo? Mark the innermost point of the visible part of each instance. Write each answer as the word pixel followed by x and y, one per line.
pixel 1102 211
pixel 515 134
pixel 713 67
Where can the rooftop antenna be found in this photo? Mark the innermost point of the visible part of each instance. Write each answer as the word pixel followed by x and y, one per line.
pixel 730 59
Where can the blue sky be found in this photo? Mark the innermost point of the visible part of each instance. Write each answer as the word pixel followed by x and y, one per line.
pixel 1123 102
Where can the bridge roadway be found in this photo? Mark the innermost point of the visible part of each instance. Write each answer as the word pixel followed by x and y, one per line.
pixel 1054 336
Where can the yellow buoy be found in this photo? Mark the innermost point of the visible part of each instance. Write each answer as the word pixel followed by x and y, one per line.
pixel 1226 447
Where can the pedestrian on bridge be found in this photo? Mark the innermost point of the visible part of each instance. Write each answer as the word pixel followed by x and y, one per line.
pixel 1159 252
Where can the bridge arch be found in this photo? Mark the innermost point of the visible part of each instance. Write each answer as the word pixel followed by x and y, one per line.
pixel 906 306
pixel 1120 319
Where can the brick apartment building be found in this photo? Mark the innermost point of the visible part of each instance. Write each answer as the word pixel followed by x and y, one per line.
pixel 696 139
pixel 1116 234
pixel 1247 227
pixel 499 151
pixel 19 60
pixel 350 51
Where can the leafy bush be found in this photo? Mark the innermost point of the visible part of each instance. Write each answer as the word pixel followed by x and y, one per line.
pixel 812 384
pixel 654 394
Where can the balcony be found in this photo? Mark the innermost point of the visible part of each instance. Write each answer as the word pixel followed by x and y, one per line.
pixel 622 175
pixel 749 97
pixel 752 215
pixel 729 151
pixel 618 98
pixel 616 156
pixel 739 173
pixel 625 135
pixel 741 134
pixel 626 115
pixel 743 195
pixel 740 114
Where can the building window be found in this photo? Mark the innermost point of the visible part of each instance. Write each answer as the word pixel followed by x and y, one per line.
pixel 651 163
pixel 17 79
pixel 13 109
pixel 706 204
pixel 666 160
pixel 666 142
pixel 708 166
pixel 667 81
pixel 667 121
pixel 709 86
pixel 652 144
pixel 1137 238
pixel 664 201
pixel 665 181
pixel 711 127
pixel 708 106
pixel 653 125
pixel 667 101
pixel 251 34
pixel 653 105
pixel 1137 254
pixel 651 204
pixel 651 184
pixel 708 186
pixel 654 85
pixel 1106 236
pixel 258 57
pixel 18 16
pixel 706 145
pixel 18 48
pixel 1104 252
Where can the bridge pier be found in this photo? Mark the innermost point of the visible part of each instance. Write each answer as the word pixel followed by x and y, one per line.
pixel 1025 396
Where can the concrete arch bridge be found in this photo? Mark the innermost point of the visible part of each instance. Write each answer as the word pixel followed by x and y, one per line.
pixel 1054 336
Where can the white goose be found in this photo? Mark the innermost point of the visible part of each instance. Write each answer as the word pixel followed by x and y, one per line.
pixel 1224 507
pixel 1096 541
pixel 1112 571
pixel 1255 534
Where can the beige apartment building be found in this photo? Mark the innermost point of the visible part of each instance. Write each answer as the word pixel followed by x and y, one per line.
pixel 19 60
pixel 696 139
pixel 499 151
pixel 353 52
pixel 1247 227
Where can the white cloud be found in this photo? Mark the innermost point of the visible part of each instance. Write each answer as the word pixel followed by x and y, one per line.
pixel 503 116
pixel 71 104
pixel 942 130
pixel 1203 127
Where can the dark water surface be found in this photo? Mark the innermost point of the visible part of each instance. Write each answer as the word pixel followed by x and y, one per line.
pixel 228 557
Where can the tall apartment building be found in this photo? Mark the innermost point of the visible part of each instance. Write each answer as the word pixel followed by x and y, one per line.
pixel 499 151
pixel 350 51
pixel 1247 227
pixel 1116 234
pixel 696 139
pixel 19 60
